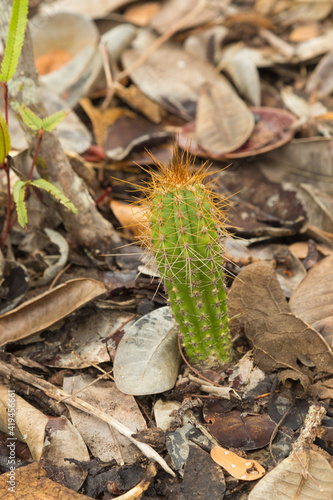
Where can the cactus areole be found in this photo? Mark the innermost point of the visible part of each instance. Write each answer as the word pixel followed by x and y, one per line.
pixel 184 217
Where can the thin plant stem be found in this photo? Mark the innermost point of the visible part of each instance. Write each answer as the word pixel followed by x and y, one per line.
pixel 5 97
pixel 9 207
pixel 39 140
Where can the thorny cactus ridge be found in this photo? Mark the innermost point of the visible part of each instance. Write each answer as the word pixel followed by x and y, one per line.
pixel 184 220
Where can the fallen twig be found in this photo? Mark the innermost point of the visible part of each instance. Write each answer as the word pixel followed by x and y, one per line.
pixel 54 392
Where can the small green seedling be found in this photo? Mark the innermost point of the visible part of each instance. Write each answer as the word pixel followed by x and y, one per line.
pixel 13 49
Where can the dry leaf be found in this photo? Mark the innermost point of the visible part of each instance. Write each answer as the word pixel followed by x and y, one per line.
pixel 141 14
pixel 178 94
pixel 130 216
pixel 147 357
pixel 223 121
pixel 305 32
pixel 29 425
pixel 305 475
pixel 321 80
pixel 238 467
pixel 255 294
pixel 130 133
pixel 101 120
pixel 244 74
pixel 32 483
pixel 97 9
pixel 279 339
pixel 312 301
pixel 301 161
pixel 234 429
pixel 319 207
pixel 48 308
pixel 172 11
pixel 103 442
pixel 53 439
pixel 52 60
pixel 314 47
pixel 272 129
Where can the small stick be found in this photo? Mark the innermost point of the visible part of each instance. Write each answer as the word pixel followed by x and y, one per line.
pixel 54 392
pixel 309 430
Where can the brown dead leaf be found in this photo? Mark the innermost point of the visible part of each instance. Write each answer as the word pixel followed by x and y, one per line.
pixel 223 121
pixel 172 11
pixel 97 9
pixel 255 294
pixel 52 60
pixel 287 377
pixel 272 129
pixel 104 442
pixel 322 389
pixel 53 439
pixel 236 430
pixel 305 475
pixel 128 133
pixel 238 467
pixel 312 301
pixel 30 423
pixel 280 340
pixel 174 78
pixel 321 79
pixel 130 216
pixel 141 14
pixel 102 120
pixel 318 205
pixel 48 308
pixel 32 483
pixel 305 32
pixel 301 161
pixel 244 74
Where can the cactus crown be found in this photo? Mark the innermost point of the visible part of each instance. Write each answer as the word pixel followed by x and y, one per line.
pixel 184 233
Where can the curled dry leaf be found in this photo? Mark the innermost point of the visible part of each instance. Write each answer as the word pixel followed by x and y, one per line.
pixel 238 467
pixel 305 475
pixel 312 301
pixel 67 34
pixel 48 308
pixel 223 121
pixel 271 130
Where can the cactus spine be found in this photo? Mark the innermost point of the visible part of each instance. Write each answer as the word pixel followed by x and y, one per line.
pixel 184 233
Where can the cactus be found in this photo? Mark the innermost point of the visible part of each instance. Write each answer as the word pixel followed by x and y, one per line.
pixel 184 219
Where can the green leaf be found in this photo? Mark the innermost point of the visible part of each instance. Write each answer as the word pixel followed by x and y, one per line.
pixel 59 195
pixel 16 31
pixel 19 195
pixel 51 122
pixel 4 139
pixel 30 118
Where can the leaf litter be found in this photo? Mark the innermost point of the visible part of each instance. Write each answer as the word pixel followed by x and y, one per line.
pixel 247 82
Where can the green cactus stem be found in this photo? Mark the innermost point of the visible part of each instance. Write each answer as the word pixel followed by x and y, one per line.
pixel 184 218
